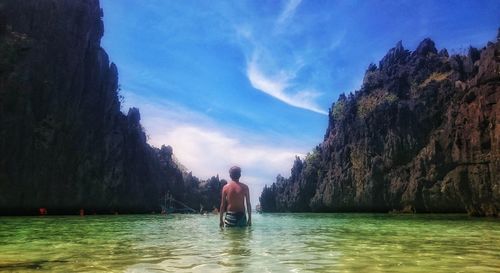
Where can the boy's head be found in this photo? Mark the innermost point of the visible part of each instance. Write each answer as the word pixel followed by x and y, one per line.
pixel 235 173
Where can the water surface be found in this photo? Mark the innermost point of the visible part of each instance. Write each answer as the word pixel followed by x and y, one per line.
pixel 275 243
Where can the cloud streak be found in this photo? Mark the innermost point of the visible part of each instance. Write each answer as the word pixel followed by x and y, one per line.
pixel 288 12
pixel 273 73
pixel 277 87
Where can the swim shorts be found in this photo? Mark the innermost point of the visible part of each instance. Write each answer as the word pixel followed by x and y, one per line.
pixel 235 219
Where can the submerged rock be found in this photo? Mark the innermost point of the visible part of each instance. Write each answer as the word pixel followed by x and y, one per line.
pixel 421 135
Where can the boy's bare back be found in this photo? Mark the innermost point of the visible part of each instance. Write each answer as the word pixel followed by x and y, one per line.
pixel 235 193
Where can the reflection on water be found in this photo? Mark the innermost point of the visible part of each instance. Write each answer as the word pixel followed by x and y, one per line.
pixel 275 243
pixel 237 241
pixel 235 247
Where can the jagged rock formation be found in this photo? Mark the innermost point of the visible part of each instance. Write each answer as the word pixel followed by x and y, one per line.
pixel 64 144
pixel 421 135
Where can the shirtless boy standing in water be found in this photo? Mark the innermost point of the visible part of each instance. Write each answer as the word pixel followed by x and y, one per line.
pixel 233 202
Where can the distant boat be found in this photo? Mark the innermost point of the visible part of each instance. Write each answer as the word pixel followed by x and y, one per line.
pixel 170 208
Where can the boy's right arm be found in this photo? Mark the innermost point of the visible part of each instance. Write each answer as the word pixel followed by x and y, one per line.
pixel 249 206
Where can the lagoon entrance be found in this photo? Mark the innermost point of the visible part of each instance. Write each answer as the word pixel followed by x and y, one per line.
pixel 276 243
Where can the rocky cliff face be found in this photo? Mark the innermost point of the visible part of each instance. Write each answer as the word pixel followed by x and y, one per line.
pixel 64 144
pixel 421 135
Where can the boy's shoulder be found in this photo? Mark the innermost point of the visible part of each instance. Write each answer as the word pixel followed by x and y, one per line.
pixel 233 184
pixel 243 185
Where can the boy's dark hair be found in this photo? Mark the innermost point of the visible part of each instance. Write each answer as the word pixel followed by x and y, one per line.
pixel 235 172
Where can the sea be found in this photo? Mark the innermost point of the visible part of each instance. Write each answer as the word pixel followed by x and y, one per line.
pixel 281 242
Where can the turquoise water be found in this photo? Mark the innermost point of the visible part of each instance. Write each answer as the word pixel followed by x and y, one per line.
pixel 276 243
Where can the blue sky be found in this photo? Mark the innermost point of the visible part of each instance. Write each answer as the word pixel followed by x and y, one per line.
pixel 250 83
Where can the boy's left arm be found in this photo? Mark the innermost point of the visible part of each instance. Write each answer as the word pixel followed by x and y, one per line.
pixel 222 207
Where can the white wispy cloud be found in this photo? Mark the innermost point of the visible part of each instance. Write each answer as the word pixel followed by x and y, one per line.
pixel 274 72
pixel 288 11
pixel 278 86
pixel 208 151
pixel 207 148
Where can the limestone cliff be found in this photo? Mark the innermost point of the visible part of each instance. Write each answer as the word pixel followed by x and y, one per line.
pixel 64 143
pixel 421 135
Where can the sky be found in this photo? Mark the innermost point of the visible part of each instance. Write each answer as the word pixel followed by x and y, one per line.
pixel 250 83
